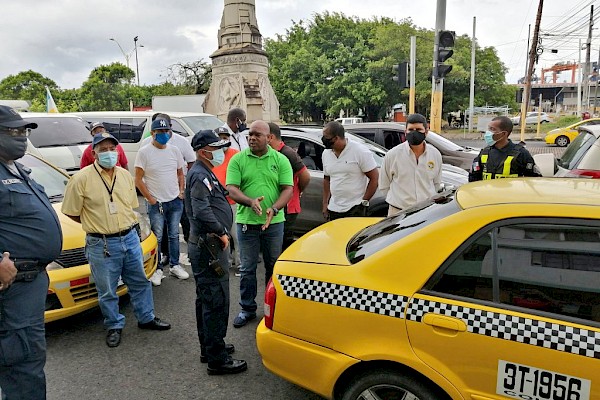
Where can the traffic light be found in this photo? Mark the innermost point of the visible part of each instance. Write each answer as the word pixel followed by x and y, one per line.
pixel 401 74
pixel 444 52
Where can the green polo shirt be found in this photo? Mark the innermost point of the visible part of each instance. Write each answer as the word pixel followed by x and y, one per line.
pixel 259 176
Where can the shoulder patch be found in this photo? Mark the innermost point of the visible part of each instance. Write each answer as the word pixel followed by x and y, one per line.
pixel 207 184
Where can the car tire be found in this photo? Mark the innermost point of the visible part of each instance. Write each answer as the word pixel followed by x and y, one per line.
pixel 562 141
pixel 388 384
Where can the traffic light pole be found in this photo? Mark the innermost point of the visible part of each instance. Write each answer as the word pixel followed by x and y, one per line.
pixel 413 67
pixel 437 85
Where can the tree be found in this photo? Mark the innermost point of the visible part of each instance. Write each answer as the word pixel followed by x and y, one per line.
pixel 108 87
pixel 194 75
pixel 27 85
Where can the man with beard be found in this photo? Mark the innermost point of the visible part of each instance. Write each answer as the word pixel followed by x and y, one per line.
pixel 412 171
pixel 350 175
pixel 30 238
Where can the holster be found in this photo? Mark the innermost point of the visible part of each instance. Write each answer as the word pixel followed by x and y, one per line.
pixel 28 270
pixel 212 244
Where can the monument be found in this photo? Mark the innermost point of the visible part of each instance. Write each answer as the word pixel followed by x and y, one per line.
pixel 240 68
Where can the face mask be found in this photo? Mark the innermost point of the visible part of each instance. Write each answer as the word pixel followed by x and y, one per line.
pixel 241 126
pixel 12 147
pixel 489 138
pixel 328 143
pixel 108 159
pixel 415 138
pixel 162 137
pixel 218 157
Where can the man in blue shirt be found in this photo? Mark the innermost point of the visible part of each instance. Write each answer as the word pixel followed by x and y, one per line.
pixel 30 238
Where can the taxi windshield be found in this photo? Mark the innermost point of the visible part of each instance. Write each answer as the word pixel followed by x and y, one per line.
pixel 382 234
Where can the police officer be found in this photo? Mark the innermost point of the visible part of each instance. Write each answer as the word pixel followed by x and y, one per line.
pixel 502 158
pixel 30 237
pixel 211 219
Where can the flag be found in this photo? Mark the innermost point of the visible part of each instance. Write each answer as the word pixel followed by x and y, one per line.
pixel 50 104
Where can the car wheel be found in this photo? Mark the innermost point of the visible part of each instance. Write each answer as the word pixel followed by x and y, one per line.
pixel 562 141
pixel 387 384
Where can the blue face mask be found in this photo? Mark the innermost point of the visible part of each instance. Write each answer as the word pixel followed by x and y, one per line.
pixel 108 159
pixel 218 157
pixel 162 137
pixel 489 138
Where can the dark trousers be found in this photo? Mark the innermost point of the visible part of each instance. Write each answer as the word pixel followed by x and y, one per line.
pixel 356 211
pixel 22 340
pixel 212 303
pixel 185 227
pixel 288 230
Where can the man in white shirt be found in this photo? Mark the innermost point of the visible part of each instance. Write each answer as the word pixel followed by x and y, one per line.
pixel 350 175
pixel 412 171
pixel 236 123
pixel 159 177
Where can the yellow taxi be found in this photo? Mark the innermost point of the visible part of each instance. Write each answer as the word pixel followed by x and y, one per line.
pixel 72 289
pixel 563 136
pixel 489 293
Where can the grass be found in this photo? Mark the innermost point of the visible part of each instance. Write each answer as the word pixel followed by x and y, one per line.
pixel 558 122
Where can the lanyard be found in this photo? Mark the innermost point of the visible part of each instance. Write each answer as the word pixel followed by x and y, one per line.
pixel 110 191
pixel 237 141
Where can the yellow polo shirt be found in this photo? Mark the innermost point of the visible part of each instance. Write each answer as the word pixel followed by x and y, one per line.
pixel 87 197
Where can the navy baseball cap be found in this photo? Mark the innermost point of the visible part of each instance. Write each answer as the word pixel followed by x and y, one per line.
pixel 100 137
pixel 160 123
pixel 207 138
pixel 9 118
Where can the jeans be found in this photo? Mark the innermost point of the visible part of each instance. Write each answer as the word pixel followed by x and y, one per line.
pixel 185 228
pixel 171 213
pixel 288 230
pixel 252 240
pixel 212 303
pixel 125 260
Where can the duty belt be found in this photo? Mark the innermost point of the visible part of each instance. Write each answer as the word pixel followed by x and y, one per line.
pixel 28 270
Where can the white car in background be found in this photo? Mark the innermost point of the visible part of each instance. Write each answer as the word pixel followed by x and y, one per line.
pixel 531 118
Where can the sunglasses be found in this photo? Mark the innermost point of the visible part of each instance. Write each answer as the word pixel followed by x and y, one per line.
pixel 14 132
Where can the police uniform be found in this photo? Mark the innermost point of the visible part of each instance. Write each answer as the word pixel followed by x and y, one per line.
pixel 209 212
pixel 31 232
pixel 511 161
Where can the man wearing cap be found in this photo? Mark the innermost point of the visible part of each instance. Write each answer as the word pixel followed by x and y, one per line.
pixel 30 238
pixel 102 197
pixel 210 222
pixel 87 158
pixel 159 177
pixel 236 124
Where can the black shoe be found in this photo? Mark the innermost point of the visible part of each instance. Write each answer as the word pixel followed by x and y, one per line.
pixel 156 325
pixel 229 367
pixel 113 337
pixel 229 348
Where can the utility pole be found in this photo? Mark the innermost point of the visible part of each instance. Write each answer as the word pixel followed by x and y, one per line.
pixel 586 67
pixel 532 55
pixel 472 88
pixel 137 66
pixel 413 68
pixel 579 82
pixel 437 85
pixel 597 77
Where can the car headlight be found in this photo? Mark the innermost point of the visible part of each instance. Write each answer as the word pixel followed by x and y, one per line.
pixel 144 225
pixel 53 266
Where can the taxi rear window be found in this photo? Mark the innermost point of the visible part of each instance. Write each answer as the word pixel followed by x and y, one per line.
pixel 382 234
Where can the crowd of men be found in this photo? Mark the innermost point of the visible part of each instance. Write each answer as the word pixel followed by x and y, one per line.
pixel 235 197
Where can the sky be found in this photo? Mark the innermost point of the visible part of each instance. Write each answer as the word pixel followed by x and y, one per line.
pixel 65 39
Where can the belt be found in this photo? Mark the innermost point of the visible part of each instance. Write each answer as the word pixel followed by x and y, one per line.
pixel 112 235
pixel 28 270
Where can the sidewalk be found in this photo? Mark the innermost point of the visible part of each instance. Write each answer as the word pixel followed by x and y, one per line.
pixel 515 136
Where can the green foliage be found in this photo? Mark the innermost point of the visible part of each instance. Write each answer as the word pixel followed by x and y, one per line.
pixel 26 85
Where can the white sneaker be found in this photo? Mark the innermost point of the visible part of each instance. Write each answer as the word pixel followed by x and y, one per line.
pixel 157 277
pixel 179 272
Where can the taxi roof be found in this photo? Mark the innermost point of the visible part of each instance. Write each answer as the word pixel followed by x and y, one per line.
pixel 530 190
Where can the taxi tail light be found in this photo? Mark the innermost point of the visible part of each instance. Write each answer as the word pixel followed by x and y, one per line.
pixel 584 173
pixel 269 304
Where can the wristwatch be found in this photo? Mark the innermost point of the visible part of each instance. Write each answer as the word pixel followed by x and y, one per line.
pixel 275 211
pixel 364 203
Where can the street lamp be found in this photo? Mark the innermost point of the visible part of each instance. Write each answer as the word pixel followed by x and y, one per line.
pixel 122 51
pixel 128 56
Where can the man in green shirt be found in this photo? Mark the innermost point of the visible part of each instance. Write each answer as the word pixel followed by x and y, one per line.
pixel 260 180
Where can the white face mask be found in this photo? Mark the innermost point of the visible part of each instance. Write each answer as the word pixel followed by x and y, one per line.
pixel 218 157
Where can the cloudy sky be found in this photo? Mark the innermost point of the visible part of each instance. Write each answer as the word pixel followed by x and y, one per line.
pixel 65 39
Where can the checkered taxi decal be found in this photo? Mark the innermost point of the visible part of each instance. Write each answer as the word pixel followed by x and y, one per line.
pixel 355 298
pixel 508 327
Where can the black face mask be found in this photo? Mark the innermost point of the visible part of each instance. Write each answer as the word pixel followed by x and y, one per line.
pixel 242 126
pixel 12 147
pixel 415 138
pixel 328 143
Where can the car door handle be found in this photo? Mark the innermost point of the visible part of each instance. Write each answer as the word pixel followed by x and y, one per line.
pixel 445 322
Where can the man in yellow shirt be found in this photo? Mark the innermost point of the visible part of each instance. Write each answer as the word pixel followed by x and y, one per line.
pixel 102 197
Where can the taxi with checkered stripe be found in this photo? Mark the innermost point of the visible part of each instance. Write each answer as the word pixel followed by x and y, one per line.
pixel 492 292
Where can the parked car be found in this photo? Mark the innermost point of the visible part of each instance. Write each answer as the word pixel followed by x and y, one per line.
pixel 582 157
pixel 59 138
pixel 72 289
pixel 391 134
pixel 461 297
pixel 307 142
pixel 130 127
pixel 563 136
pixel 531 118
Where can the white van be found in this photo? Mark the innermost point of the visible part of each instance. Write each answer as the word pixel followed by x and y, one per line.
pixel 131 127
pixel 59 138
pixel 348 121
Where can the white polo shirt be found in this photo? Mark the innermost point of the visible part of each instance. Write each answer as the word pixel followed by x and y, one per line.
pixel 160 170
pixel 403 181
pixel 348 181
pixel 238 140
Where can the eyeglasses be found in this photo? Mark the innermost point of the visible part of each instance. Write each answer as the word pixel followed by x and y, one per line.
pixel 14 132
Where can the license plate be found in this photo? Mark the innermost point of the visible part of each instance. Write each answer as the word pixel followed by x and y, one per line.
pixel 530 383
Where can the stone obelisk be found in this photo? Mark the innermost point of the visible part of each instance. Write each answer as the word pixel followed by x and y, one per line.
pixel 240 68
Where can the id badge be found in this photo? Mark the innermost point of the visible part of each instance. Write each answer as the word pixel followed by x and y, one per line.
pixel 112 207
